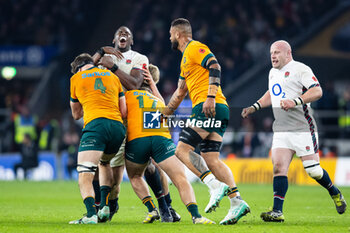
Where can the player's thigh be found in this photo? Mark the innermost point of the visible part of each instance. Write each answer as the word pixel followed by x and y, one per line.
pixel 135 170
pixel 89 156
pixel 174 169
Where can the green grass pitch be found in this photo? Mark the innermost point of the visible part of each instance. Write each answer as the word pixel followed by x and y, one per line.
pixel 49 206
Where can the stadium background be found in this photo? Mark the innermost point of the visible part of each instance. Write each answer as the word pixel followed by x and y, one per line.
pixel 39 39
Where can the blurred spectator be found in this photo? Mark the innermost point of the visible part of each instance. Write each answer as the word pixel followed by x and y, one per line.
pixel 24 124
pixel 29 154
pixel 344 119
pixel 71 144
pixel 247 141
pixel 265 138
pixel 49 134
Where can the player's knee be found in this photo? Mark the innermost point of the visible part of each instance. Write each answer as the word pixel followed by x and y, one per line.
pixel 87 167
pixel 210 146
pixel 313 169
pixel 279 170
pixel 181 150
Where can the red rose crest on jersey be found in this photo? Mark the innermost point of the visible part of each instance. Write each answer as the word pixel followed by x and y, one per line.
pixel 314 78
pixel 128 61
pixel 144 66
pixel 202 50
pixel 307 148
pixel 286 75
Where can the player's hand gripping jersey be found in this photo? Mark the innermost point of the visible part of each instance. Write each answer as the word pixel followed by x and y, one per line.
pixel 142 107
pixel 131 60
pixel 291 82
pixel 98 91
pixel 193 70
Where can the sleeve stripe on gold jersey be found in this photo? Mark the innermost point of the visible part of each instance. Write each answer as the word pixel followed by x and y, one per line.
pixel 74 100
pixel 121 94
pixel 180 77
pixel 205 59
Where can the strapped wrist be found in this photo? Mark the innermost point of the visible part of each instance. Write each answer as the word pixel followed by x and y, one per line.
pixel 101 51
pixel 256 106
pixel 114 68
pixel 298 101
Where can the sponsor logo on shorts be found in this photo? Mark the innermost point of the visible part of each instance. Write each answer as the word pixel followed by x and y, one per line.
pixel 88 143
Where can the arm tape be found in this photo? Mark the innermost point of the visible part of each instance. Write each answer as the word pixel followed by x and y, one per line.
pixel 216 73
pixel 214 81
pixel 114 68
pixel 101 51
pixel 256 106
pixel 298 101
pixel 211 63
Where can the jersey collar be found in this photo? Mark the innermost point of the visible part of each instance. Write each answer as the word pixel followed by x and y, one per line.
pixel 186 46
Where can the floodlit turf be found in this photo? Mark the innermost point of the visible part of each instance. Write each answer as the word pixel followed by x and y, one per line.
pixel 49 206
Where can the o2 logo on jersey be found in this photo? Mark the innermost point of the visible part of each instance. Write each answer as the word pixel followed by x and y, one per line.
pixel 151 120
pixel 277 90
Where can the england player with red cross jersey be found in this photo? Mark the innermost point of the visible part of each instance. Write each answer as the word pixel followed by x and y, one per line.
pixel 292 87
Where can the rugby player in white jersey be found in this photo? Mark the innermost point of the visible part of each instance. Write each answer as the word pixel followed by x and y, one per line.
pixel 292 87
pixel 128 65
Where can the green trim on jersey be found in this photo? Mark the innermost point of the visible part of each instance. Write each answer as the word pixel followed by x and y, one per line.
pixel 205 59
pixel 74 100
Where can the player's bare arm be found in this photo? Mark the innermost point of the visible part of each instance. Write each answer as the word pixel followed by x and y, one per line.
pixel 214 83
pixel 122 107
pixel 77 110
pixel 148 78
pixel 106 50
pixel 263 102
pixel 130 82
pixel 311 95
pixel 177 98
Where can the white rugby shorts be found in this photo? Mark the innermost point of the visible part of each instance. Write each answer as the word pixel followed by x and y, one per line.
pixel 303 143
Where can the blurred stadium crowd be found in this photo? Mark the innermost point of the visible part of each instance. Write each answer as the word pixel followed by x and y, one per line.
pixel 239 35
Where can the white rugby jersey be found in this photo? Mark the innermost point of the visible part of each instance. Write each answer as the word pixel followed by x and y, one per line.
pixel 131 60
pixel 291 82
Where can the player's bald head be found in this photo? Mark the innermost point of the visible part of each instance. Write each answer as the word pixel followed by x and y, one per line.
pixel 282 45
pixel 183 26
pixel 281 54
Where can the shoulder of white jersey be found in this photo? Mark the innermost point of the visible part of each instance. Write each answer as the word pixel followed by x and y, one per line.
pixel 301 66
pixel 272 70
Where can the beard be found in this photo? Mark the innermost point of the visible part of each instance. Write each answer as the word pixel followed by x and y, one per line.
pixel 174 45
